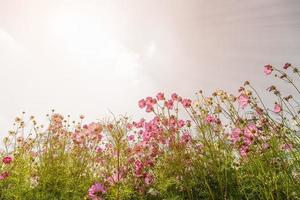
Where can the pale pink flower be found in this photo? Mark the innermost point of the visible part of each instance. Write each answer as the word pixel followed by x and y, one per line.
pixel 169 104
pixel 142 103
pixel 95 191
pixel 186 103
pixel 149 108
pixel 250 131
pixel 235 135
pixel 174 97
pixel 148 179
pixel 277 108
pixel 186 137
pixel 160 96
pixel 243 100
pixel 210 119
pixel 180 123
pixel 244 151
pixel 131 137
pixel 268 69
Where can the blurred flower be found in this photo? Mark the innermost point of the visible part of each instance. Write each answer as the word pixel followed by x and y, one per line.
pixel 277 108
pixel 4 175
pixel 210 119
pixel 142 103
pixel 268 69
pixel 160 96
pixel 186 103
pixel 7 160
pixel 243 100
pixel 95 191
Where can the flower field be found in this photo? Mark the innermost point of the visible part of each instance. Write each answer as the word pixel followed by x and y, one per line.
pixel 223 146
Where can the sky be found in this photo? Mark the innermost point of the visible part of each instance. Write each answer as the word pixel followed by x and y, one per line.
pixel 94 57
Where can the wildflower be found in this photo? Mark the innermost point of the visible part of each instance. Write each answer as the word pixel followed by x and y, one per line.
pixel 174 97
pixel 277 108
pixel 181 123
pixel 131 137
pixel 160 96
pixel 7 160
pixel 4 175
pixel 287 147
pixel 149 108
pixel 268 69
pixel 243 100
pixel 250 131
pixel 169 104
pixel 95 191
pixel 210 119
pixel 235 135
pixel 148 179
pixel 244 151
pixel 186 103
pixel 142 103
pixel 185 138
pixel 286 65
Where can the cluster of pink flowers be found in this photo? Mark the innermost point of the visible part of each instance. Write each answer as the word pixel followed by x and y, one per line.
pixel 244 138
pixel 149 102
pixel 6 160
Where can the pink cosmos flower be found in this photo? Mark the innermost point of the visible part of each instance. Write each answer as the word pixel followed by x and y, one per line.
pixel 160 96
pixel 4 175
pixel 180 123
pixel 250 131
pixel 131 137
pixel 185 138
pixel 243 100
pixel 150 101
pixel 174 97
pixel 142 103
pixel 96 191
pixel 186 103
pixel 148 179
pixel 244 151
pixel 210 119
pixel 7 160
pixel 277 108
pixel 169 104
pixel 235 135
pixel 268 69
pixel 149 108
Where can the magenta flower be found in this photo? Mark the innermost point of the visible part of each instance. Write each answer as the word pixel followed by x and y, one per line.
pixel 7 160
pixel 268 69
pixel 277 108
pixel 96 191
pixel 243 100
pixel 160 96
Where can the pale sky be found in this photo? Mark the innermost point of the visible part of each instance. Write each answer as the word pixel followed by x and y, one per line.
pixel 89 57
